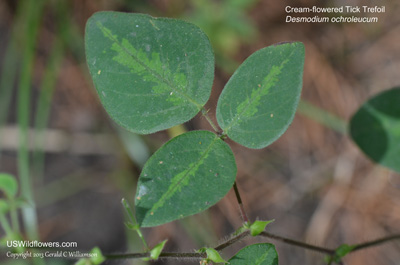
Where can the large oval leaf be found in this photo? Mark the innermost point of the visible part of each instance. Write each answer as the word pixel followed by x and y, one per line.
pixel 376 128
pixel 150 73
pixel 187 175
pixel 257 254
pixel 258 103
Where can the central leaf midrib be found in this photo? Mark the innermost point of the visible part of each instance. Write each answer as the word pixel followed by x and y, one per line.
pixel 262 258
pixel 236 118
pixel 173 190
pixel 155 74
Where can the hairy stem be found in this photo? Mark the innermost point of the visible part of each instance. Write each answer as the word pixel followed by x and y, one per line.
pixel 232 240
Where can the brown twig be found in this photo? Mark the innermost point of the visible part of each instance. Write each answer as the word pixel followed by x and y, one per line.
pixel 197 256
pixel 298 243
pixel 241 208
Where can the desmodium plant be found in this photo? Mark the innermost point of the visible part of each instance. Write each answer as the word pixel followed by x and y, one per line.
pixel 375 128
pixel 155 73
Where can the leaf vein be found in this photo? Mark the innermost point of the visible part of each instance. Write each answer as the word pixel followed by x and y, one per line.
pixel 135 57
pixel 178 181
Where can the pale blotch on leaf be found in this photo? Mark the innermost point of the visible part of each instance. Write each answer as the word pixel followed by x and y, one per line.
pixel 150 68
pixel 182 179
pixel 249 107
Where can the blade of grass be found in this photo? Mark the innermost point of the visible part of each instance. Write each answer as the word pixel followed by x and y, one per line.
pixel 5 225
pixel 322 116
pixel 69 32
pixel 31 26
pixel 44 104
pixel 7 82
pixel 14 217
pixel 64 188
pixel 8 78
pixel 200 229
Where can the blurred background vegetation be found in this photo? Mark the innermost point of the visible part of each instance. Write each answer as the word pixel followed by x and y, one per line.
pixel 74 165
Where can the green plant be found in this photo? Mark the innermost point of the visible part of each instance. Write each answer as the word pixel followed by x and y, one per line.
pixel 227 25
pixel 152 74
pixel 158 73
pixel 155 73
pixel 375 128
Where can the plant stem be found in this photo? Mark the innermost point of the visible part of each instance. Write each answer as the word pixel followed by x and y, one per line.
pixel 213 125
pixel 241 208
pixel 14 217
pixel 193 255
pixel 298 243
pixel 7 78
pixel 5 225
pixel 43 109
pixel 232 240
pixel 133 221
pixel 34 9
pixel 375 242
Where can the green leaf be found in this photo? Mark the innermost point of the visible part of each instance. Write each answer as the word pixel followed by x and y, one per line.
pixel 131 226
pixel 241 229
pixel 343 250
pixel 132 221
pixel 4 206
pixel 83 261
pixel 340 252
pixel 375 128
pixel 258 103
pixel 156 251
pixel 187 175
pixel 201 250
pixel 98 257
pixel 258 226
pixel 150 73
pixel 257 254
pixel 8 185
pixel 214 256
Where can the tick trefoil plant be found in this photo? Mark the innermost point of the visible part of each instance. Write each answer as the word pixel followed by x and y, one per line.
pixel 155 73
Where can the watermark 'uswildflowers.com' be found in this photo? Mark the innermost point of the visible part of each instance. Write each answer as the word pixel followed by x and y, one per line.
pixel 69 254
pixel 39 244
